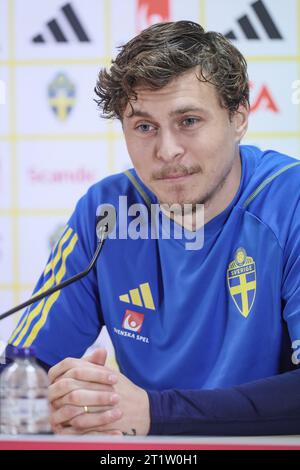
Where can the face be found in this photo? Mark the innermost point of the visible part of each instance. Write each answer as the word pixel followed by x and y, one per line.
pixel 182 143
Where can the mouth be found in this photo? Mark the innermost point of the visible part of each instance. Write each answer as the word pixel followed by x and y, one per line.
pixel 176 177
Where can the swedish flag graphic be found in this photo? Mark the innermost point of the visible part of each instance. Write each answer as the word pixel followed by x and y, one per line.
pixel 140 296
pixel 241 279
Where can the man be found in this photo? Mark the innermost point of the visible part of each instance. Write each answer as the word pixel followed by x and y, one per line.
pixel 202 337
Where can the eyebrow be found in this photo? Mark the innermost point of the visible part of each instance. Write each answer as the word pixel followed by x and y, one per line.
pixel 188 109
pixel 176 112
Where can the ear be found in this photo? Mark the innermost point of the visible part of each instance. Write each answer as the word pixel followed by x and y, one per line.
pixel 240 121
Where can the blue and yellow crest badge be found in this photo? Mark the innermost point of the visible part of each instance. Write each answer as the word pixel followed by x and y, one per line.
pixel 61 96
pixel 241 279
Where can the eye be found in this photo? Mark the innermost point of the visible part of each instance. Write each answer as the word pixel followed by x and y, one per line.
pixel 145 128
pixel 190 122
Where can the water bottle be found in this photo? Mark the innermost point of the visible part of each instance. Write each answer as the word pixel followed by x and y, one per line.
pixel 24 407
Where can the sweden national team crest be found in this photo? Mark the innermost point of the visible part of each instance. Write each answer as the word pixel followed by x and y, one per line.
pixel 62 96
pixel 241 279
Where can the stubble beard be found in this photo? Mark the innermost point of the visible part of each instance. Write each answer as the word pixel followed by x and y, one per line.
pixel 205 200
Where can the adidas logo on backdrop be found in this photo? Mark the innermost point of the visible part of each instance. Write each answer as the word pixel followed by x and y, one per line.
pixel 65 29
pixel 248 28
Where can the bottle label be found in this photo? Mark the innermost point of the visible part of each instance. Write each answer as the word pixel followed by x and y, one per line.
pixel 18 410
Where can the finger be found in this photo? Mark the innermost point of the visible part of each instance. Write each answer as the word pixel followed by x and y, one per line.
pixel 64 414
pixel 71 431
pixel 70 364
pixel 88 421
pixel 66 385
pixel 63 366
pixel 85 397
pixel 97 357
pixel 91 374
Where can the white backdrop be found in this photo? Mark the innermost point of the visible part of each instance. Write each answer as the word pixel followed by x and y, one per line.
pixel 53 145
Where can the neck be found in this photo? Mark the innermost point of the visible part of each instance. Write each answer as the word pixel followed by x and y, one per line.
pixel 190 220
pixel 226 193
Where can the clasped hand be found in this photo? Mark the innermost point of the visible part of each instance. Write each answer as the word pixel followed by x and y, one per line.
pixel 88 398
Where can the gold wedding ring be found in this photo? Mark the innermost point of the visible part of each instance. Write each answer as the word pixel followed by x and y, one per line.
pixel 86 410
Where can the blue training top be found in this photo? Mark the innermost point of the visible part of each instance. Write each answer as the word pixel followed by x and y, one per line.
pixel 189 326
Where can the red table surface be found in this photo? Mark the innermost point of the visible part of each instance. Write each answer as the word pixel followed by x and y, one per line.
pixel 148 443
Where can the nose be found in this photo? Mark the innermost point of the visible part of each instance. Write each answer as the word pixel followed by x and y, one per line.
pixel 168 146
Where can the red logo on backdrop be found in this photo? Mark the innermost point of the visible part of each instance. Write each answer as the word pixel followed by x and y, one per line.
pixel 133 321
pixel 263 100
pixel 61 176
pixel 149 12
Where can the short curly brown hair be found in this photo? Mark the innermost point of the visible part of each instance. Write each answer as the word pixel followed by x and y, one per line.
pixel 162 52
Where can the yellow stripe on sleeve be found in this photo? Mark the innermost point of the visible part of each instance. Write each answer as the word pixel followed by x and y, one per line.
pixel 29 319
pixel 51 265
pixel 52 299
pixel 53 262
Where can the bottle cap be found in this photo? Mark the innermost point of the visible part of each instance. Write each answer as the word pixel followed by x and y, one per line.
pixel 23 352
